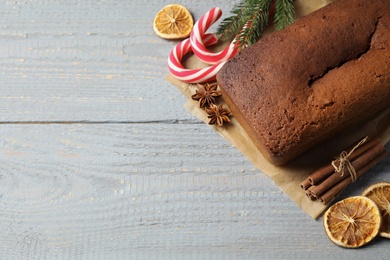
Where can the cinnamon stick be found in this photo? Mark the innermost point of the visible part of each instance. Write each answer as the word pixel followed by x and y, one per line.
pixel 310 195
pixel 328 169
pixel 321 174
pixel 358 163
pixel 329 195
pixel 305 184
pixel 332 193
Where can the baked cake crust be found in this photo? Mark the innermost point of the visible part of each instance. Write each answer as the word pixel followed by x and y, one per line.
pixel 328 71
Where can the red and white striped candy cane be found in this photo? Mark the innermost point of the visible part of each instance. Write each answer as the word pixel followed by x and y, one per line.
pixel 192 75
pixel 197 36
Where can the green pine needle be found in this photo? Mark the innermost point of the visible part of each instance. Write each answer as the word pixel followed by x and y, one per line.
pixel 284 11
pixel 254 14
pixel 232 25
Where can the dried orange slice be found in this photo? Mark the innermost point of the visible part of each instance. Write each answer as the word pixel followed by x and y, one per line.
pixel 174 21
pixel 352 222
pixel 380 194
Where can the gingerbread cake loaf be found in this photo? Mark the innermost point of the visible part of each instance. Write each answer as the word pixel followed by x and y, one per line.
pixel 327 72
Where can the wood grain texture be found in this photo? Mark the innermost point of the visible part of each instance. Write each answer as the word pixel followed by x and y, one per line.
pixel 87 61
pixel 66 59
pixel 99 160
pixel 148 192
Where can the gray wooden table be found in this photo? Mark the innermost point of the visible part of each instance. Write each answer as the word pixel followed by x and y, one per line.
pixel 99 160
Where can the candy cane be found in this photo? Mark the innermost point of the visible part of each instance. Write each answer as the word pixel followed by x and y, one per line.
pixel 192 75
pixel 199 48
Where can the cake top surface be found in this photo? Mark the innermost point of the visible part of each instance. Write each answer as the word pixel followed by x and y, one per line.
pixel 292 87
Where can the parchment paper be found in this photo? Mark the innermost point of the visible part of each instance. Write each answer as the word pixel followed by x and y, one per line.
pixel 289 176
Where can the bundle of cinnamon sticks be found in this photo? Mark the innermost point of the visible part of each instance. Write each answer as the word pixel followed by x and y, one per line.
pixel 327 182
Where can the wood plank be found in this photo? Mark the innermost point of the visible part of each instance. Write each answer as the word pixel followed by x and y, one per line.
pixel 149 191
pixel 87 61
pixel 134 176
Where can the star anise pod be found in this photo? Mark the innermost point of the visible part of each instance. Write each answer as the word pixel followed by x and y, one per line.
pixel 217 114
pixel 206 94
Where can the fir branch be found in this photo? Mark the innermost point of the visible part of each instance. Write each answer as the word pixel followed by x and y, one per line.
pixel 260 22
pixel 284 11
pixel 232 25
pixel 255 25
pixel 250 17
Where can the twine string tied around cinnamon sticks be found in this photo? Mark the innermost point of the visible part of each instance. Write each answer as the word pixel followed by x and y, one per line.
pixel 345 163
pixel 327 182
